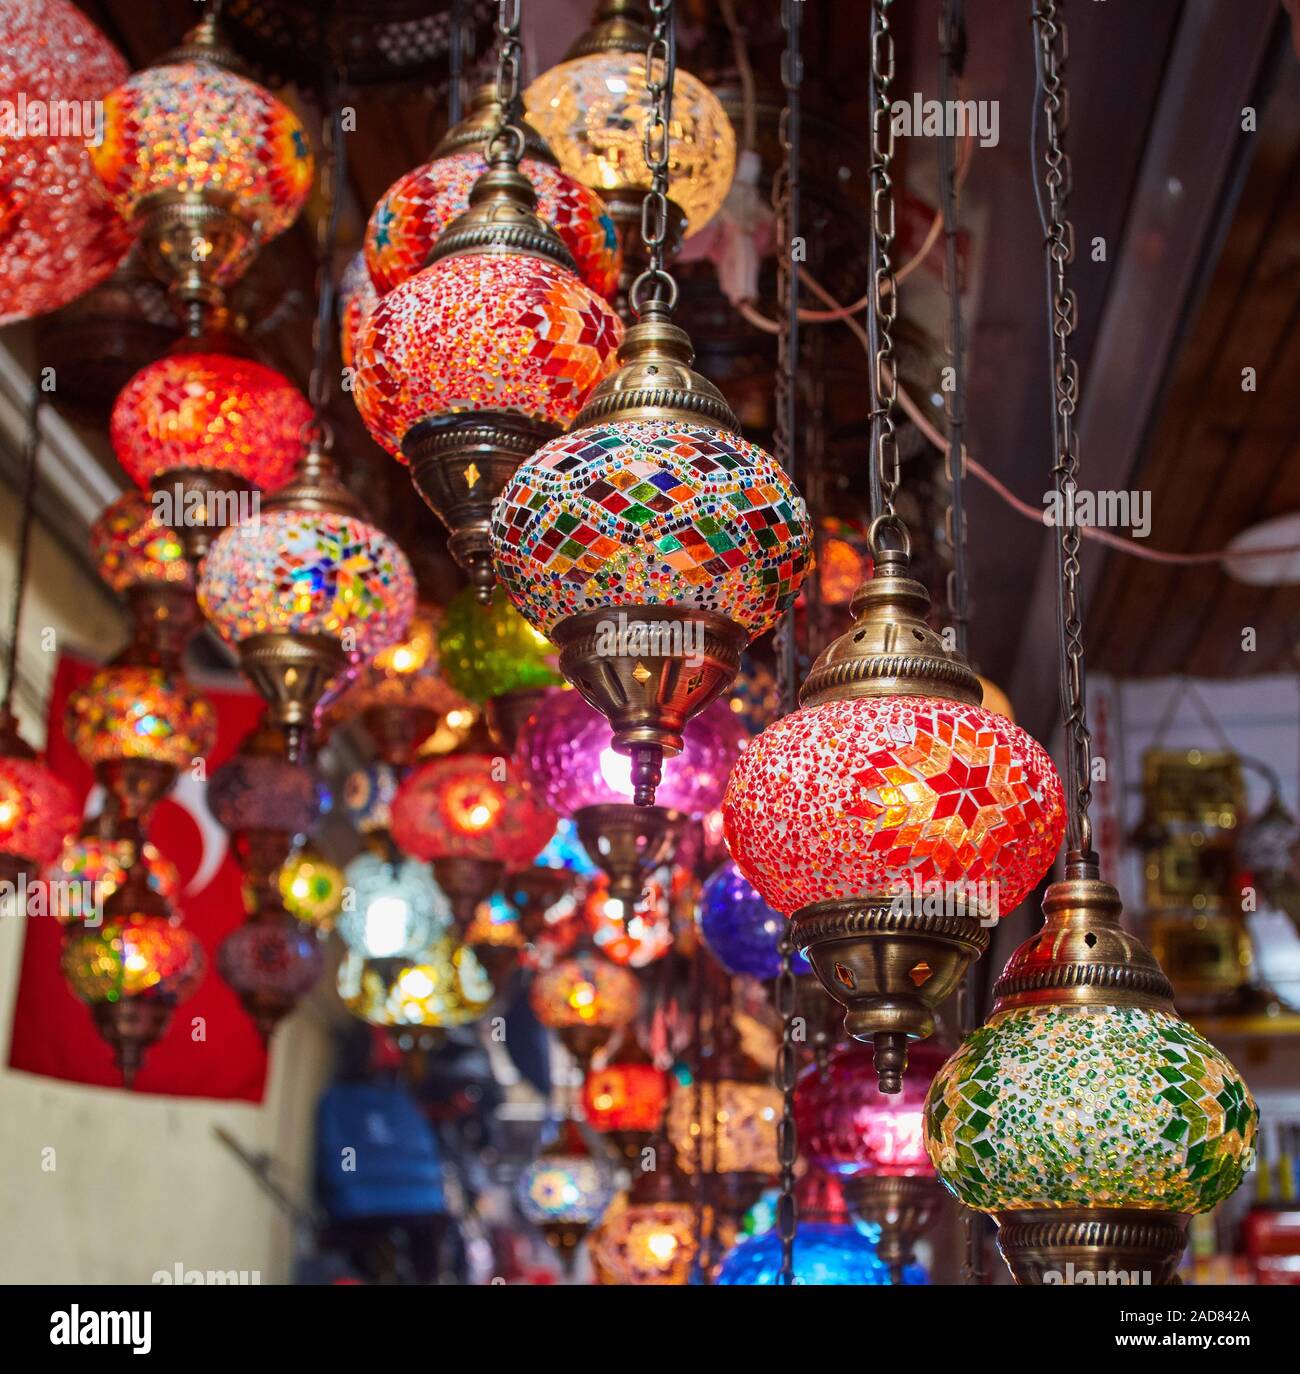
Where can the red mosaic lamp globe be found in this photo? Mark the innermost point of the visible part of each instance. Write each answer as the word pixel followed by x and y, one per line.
pixel 624 1098
pixel 468 366
pixel 651 543
pixel 632 935
pixel 58 236
pixel 310 591
pixel 37 809
pixel 894 817
pixel 406 223
pixel 206 164
pixel 469 815
pixel 203 428
pixel 357 298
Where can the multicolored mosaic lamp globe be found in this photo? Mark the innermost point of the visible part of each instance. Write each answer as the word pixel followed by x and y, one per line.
pixel 400 696
pixel 272 961
pixel 1085 1116
pixel 37 808
pixel 444 987
pixel 468 815
pixel 392 908
pixel 414 211
pixel 308 590
pixel 873 1142
pixel 739 1133
pixel 466 367
pixel 58 237
pixel 648 1236
pixel 203 428
pixel 592 109
pixel 132 548
pixel 264 791
pixel 585 999
pixel 102 862
pixel 207 165
pixel 566 1189
pixel 367 796
pixel 742 932
pixel 893 816
pixel 133 969
pixel 651 543
pixel 825 1255
pixel 311 888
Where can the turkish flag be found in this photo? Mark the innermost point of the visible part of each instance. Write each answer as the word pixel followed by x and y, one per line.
pixel 211 1048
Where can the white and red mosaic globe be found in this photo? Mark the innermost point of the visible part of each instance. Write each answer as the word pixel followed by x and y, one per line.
pixel 418 206
pixel 59 236
pixel 483 332
pixel 210 412
pixel 642 512
pixel 874 796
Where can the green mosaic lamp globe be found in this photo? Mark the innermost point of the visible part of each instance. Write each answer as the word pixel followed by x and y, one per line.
pixel 1086 1116
pixel 492 651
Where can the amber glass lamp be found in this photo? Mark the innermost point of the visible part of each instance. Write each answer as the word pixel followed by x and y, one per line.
pixel 585 999
pixel 624 1097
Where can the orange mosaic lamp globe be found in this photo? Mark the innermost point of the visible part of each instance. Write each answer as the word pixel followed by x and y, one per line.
pixel 58 236
pixel 204 162
pixel 893 816
pixel 625 1097
pixel 128 712
pixel 37 813
pixel 470 364
pixel 586 999
pixel 132 548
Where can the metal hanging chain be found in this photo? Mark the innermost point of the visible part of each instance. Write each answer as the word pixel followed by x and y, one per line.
pixel 952 60
pixel 333 174
pixel 22 551
pixel 787 1139
pixel 656 283
pixel 510 52
pixel 882 309
pixel 1051 48
pixel 785 210
pixel 455 62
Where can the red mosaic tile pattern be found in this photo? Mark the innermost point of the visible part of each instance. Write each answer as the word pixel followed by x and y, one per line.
pixel 209 411
pixel 877 795
pixel 641 513
pixel 37 810
pixel 479 333
pixel 58 235
pixel 418 206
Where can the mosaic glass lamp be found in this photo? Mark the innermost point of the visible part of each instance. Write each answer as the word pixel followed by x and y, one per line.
pixel 102 861
pixel 357 298
pixel 1086 1116
pixel 566 1189
pixel 313 588
pixel 468 366
pixel 204 163
pixel 651 543
pixel 367 796
pixel 37 809
pixel 468 815
pixel 444 987
pixel 624 1098
pixel 203 428
pixel 141 558
pixel 58 237
pixel 414 211
pixel 894 817
pixel 585 999
pixel 393 908
pixel 647 1236
pixel 400 696
pixel 631 935
pixel 825 1254
pixel 742 932
pixel 133 969
pixel 873 1142
pixel 592 109
pixel 272 961
pixel 311 888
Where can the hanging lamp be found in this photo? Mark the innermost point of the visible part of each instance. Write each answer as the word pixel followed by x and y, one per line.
pixel 651 543
pixel 566 1188
pixel 585 999
pixel 1085 1115
pixel 892 816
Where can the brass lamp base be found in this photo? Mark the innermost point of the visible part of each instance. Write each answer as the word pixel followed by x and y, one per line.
pixel 1092 1245
pixel 890 962
pixel 648 670
pixel 291 672
pixel 533 892
pixel 628 843
pixel 399 731
pixel 165 614
pixel 902 1206
pixel 585 1042
pixel 131 1026
pixel 136 786
pixel 460 464
pixel 201 499
pixel 467 882
pixel 563 1237
pixel 195 244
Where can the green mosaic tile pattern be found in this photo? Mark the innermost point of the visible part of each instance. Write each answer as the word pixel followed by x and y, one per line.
pixel 1089 1106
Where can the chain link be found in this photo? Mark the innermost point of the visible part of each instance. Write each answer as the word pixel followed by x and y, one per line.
pixel 332 176
pixel 656 283
pixel 884 295
pixel 509 60
pixel 1051 53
